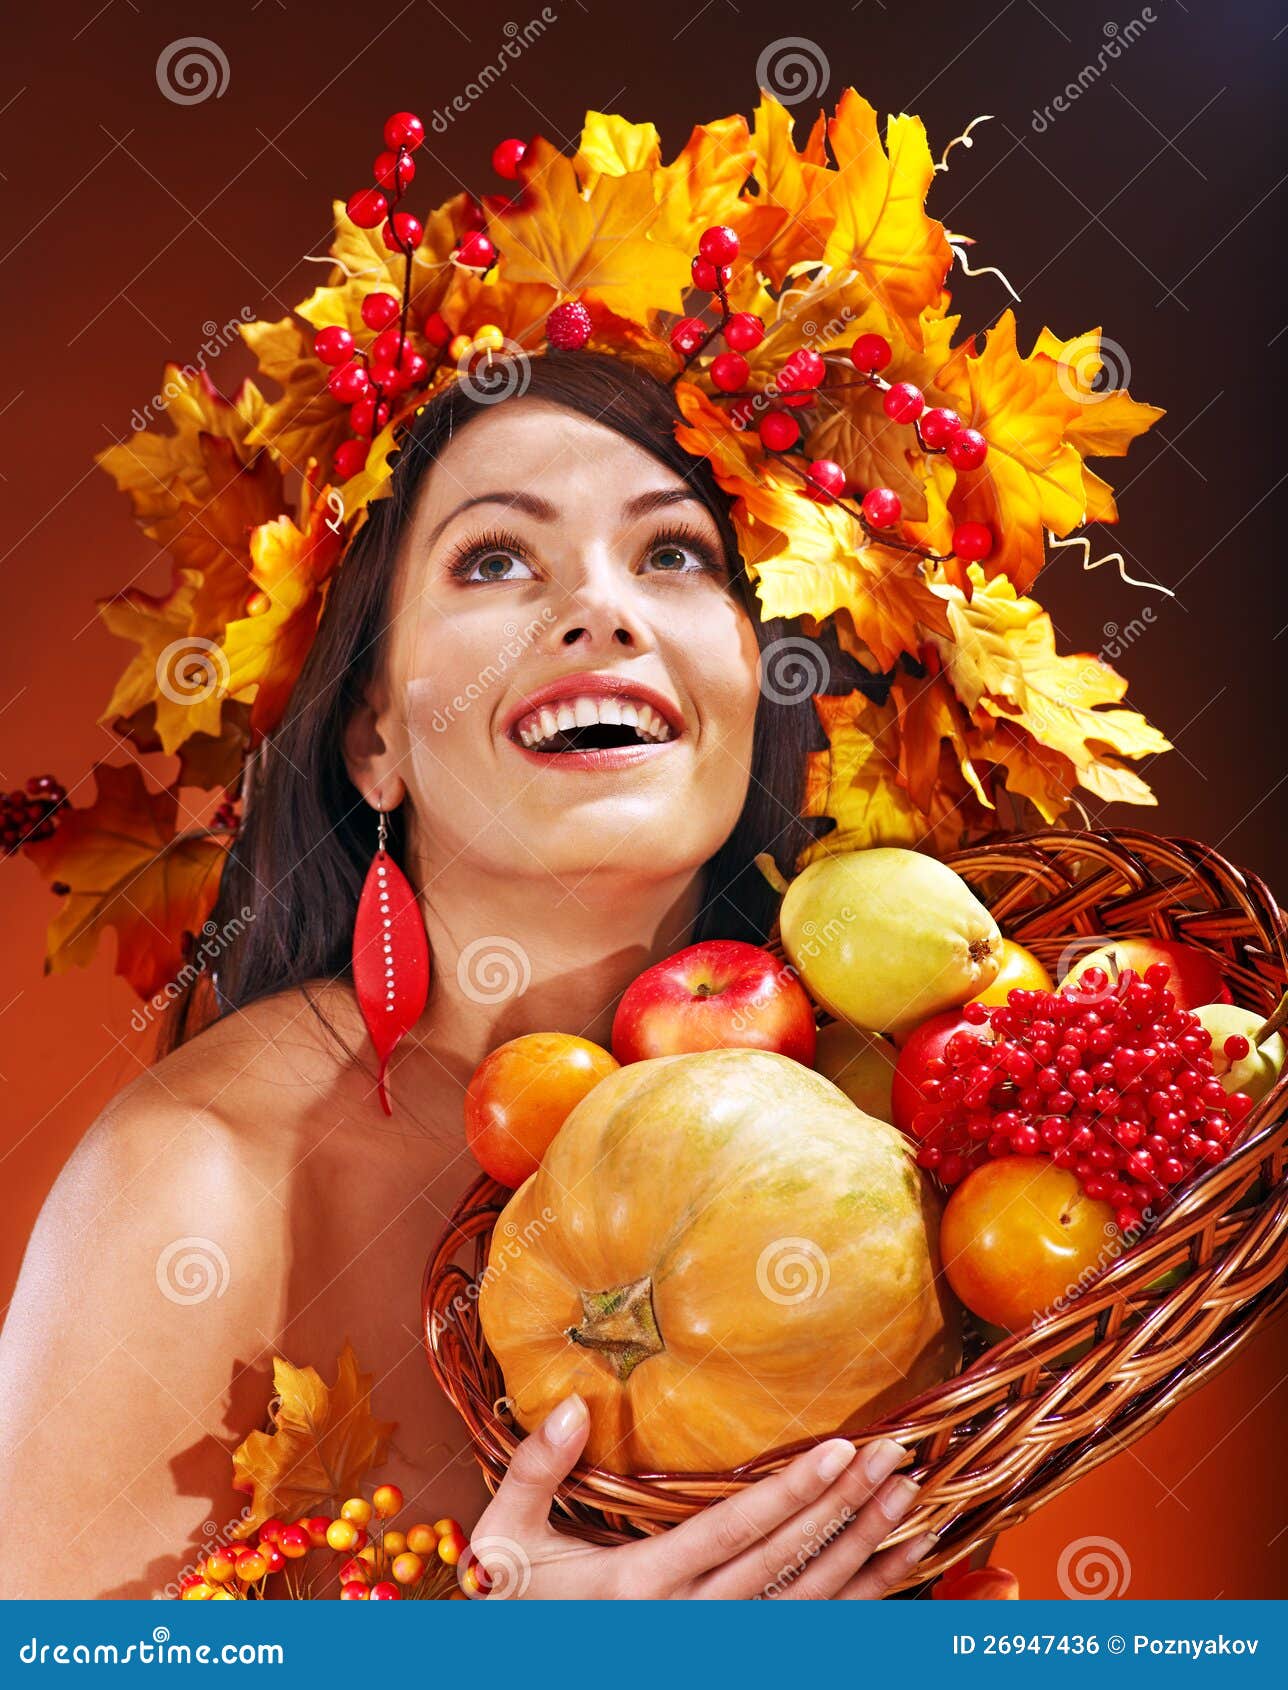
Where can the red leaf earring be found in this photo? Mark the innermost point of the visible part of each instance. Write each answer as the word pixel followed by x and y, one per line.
pixel 390 956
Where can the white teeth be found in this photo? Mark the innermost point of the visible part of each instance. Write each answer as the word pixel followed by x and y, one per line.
pixel 585 710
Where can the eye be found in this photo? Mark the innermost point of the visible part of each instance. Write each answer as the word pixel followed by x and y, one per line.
pixel 683 553
pixel 493 557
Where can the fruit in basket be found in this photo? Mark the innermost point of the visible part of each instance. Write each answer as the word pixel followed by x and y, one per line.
pixel 520 1095
pixel 1193 979
pixel 720 993
pixel 1020 1238
pixel 722 1255
pixel 1018 969
pixel 1116 1085
pixel 885 937
pixel 862 1064
pixel 1239 1062
pixel 977 1584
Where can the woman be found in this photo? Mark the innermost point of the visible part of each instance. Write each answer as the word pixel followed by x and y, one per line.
pixel 560 533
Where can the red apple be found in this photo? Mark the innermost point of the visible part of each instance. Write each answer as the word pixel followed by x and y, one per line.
pixel 720 993
pixel 1194 979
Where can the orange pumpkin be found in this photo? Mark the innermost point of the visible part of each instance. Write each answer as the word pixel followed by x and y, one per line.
pixel 723 1255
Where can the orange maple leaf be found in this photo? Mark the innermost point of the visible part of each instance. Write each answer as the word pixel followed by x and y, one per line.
pixel 127 867
pixel 323 1442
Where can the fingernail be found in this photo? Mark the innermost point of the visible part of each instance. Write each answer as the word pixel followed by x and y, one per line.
pixel 920 1547
pixel 882 1458
pixel 897 1497
pixel 835 1459
pixel 566 1420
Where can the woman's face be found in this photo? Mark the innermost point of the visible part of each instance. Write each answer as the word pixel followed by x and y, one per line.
pixel 547 550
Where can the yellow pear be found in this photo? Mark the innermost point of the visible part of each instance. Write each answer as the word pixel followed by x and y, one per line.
pixel 1254 1073
pixel 885 938
pixel 861 1064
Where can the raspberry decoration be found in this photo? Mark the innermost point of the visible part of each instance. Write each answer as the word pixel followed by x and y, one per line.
pixel 1116 1084
pixel 31 815
pixel 568 326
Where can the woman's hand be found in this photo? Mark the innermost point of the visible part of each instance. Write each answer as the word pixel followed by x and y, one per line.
pixel 807 1532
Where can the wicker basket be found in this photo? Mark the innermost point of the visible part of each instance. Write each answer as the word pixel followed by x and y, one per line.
pixel 1022 1420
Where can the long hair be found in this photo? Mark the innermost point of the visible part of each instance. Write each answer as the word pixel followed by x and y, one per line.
pixel 307 838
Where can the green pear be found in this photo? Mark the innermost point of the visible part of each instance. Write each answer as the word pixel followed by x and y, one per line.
pixel 1254 1073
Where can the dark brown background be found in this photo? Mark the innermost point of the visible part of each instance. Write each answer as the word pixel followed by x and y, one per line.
pixel 1150 207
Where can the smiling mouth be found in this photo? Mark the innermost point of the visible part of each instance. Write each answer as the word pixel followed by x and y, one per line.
pixel 591 724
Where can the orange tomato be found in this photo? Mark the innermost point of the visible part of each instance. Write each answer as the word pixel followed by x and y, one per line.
pixel 1020 969
pixel 1020 1238
pixel 522 1094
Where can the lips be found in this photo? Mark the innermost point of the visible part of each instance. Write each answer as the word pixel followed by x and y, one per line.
pixel 593 720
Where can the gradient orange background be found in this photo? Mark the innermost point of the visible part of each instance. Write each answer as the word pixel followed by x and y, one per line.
pixel 1149 208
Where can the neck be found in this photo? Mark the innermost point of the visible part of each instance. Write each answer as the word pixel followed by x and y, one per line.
pixel 511 955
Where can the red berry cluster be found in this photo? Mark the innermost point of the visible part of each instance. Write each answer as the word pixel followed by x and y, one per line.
pixel 1117 1086
pixel 798 382
pixel 31 815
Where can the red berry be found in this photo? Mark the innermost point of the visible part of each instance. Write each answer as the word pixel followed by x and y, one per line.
pixel 800 373
pixel 779 432
pixel 1236 1047
pixel 349 458
pixel 402 232
pixel 366 416
pixel 394 171
pixel 476 251
pixel 729 371
pixel 870 353
pixel 568 326
pixel 380 309
pixel 435 330
pixel 967 449
pixel 404 129
pixel 826 477
pixel 367 207
pixel 939 426
pixel 348 383
pixel 709 277
pixel 718 245
pixel 507 156
pixel 972 541
pixel 687 335
pixel 903 403
pixel 333 345
pixel 882 507
pixel 385 1592
pixel 743 331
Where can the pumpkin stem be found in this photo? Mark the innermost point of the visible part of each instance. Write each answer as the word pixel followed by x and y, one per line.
pixel 621 1325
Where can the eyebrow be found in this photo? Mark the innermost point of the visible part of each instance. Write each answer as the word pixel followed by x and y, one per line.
pixel 643 504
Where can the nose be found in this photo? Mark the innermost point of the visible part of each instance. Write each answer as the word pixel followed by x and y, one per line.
pixel 597 613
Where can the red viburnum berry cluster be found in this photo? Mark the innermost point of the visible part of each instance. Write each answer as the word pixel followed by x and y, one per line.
pixel 1116 1084
pixel 31 815
pixel 797 384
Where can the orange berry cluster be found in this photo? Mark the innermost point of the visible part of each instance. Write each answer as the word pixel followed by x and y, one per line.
pixel 369 1560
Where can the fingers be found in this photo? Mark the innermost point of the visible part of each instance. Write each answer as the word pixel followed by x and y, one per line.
pixel 722 1532
pixel 851 1546
pixel 521 1505
pixel 828 1539
pixel 886 1570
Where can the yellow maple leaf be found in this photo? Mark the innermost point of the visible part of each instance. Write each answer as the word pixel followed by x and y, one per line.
pixel 125 866
pixel 702 183
pixel 788 220
pixel 1032 479
pixel 1002 662
pixel 265 651
pixel 324 1441
pixel 600 244
pixel 179 673
pixel 877 199
pixel 614 146
pixel 306 420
